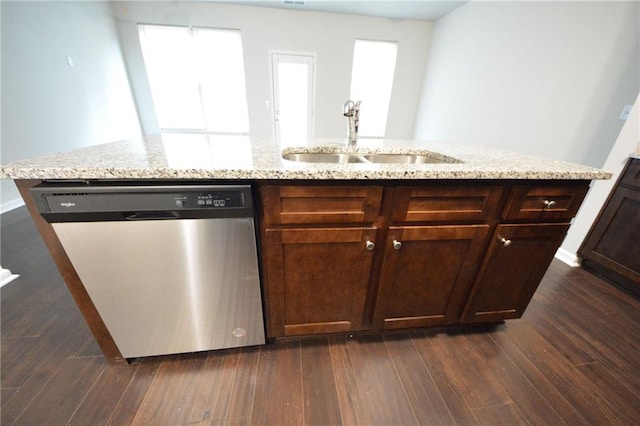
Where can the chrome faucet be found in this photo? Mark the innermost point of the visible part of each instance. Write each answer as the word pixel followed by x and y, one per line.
pixel 351 110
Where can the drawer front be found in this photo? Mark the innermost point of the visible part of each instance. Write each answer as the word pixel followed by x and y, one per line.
pixel 631 176
pixel 446 203
pixel 545 202
pixel 320 204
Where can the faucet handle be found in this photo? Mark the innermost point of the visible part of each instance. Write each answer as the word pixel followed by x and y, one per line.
pixel 347 109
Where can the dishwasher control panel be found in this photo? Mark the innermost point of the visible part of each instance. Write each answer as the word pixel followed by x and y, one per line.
pixel 210 200
pixel 184 201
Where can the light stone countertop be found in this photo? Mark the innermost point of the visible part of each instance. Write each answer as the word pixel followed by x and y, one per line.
pixel 200 156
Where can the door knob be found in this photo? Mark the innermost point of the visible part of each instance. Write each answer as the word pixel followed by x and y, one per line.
pixel 549 204
pixel 369 245
pixel 504 241
pixel 397 245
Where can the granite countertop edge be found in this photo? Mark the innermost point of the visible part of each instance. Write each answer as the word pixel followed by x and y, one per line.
pixel 165 157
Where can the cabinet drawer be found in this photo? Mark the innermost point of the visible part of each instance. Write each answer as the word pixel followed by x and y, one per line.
pixel 545 202
pixel 631 176
pixel 446 203
pixel 303 204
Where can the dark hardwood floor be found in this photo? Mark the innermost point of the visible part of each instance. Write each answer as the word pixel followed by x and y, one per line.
pixel 572 359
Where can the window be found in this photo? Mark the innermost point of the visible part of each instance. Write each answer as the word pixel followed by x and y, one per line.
pixel 374 64
pixel 196 77
pixel 293 97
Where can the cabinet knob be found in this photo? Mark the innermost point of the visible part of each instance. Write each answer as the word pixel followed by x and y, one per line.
pixel 369 245
pixel 504 241
pixel 549 204
pixel 397 245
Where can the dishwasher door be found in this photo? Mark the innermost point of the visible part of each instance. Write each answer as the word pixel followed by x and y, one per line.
pixel 170 286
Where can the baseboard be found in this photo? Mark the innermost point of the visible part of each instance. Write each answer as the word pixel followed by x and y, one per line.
pixel 6 277
pixel 11 205
pixel 568 257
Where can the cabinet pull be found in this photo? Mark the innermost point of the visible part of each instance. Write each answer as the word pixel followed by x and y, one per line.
pixel 369 245
pixel 397 245
pixel 549 204
pixel 504 241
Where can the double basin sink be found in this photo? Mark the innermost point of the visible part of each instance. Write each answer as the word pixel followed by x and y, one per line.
pixel 370 158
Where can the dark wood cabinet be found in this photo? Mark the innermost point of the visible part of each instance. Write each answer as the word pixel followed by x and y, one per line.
pixel 318 279
pixel 340 258
pixel 317 253
pixel 612 246
pixel 516 261
pixel 427 273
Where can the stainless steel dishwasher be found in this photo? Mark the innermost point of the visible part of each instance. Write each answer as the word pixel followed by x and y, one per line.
pixel 170 268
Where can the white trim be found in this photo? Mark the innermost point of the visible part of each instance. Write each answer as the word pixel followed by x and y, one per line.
pixel 11 205
pixel 6 277
pixel 567 257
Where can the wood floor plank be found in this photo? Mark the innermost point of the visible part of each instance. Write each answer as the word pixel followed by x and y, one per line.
pixel 167 399
pixel 455 400
pixel 210 396
pixel 626 401
pixel 382 396
pixel 278 399
pixel 52 360
pixel 99 403
pixel 347 391
pixel 422 391
pixel 615 299
pixel 581 393
pixel 52 407
pixel 467 371
pixel 7 393
pixel 244 387
pixel 533 406
pixel 131 399
pixel 572 336
pixel 601 334
pixel 540 381
pixel 572 345
pixel 321 405
pixel 503 414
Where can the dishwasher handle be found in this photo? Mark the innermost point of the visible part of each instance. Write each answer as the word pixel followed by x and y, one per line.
pixel 157 215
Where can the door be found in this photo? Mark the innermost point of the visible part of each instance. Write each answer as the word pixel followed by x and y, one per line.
pixel 317 279
pixel 427 273
pixel 518 258
pixel 293 97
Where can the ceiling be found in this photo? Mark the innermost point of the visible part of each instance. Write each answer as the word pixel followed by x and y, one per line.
pixel 427 10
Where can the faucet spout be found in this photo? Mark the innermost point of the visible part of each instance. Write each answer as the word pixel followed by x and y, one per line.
pixel 351 110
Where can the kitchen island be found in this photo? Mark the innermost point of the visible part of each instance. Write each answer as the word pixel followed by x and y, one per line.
pixel 357 246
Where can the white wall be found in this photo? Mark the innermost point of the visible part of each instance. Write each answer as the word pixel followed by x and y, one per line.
pixel 547 78
pixel 49 106
pixel 330 36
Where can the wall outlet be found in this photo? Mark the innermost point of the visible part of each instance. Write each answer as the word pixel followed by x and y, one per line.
pixel 625 112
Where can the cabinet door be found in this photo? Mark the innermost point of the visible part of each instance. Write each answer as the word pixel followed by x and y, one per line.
pixel 317 279
pixel 612 248
pixel 426 274
pixel 518 258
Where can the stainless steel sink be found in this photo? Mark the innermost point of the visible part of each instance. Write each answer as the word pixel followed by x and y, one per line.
pixel 403 159
pixel 323 157
pixel 372 158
